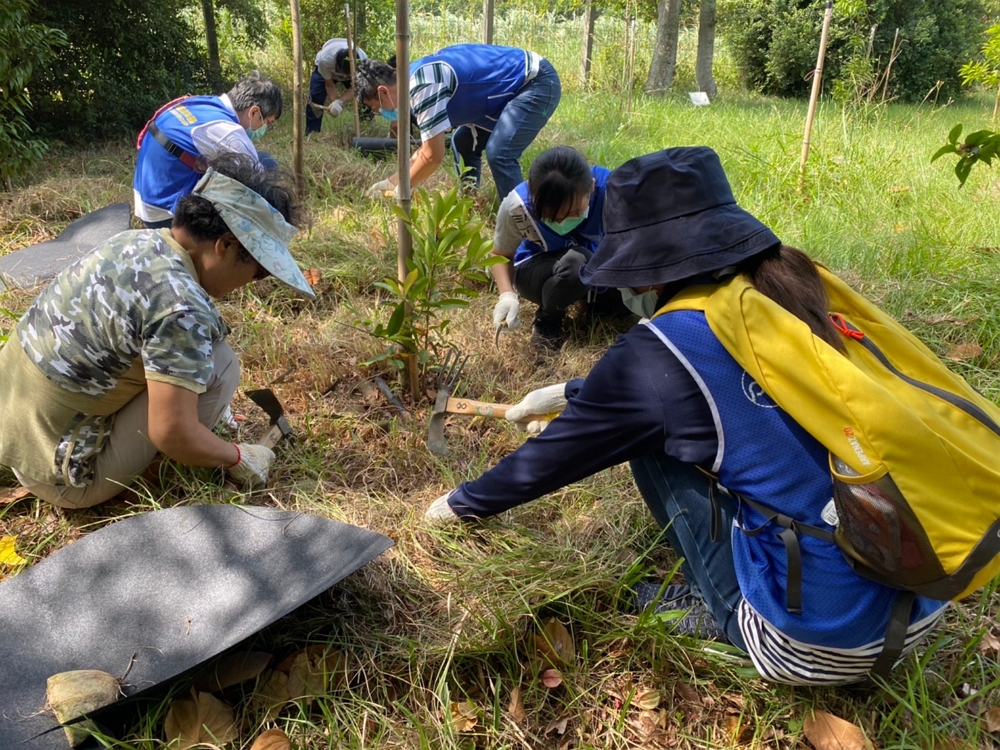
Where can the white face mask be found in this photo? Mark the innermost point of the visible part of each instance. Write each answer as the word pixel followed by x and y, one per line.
pixel 643 305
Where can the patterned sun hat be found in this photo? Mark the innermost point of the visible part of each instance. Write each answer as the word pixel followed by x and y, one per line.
pixel 259 227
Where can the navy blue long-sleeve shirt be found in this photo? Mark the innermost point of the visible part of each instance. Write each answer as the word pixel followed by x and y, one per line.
pixel 638 398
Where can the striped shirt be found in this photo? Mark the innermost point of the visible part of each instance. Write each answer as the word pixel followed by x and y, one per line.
pixel 783 659
pixel 431 87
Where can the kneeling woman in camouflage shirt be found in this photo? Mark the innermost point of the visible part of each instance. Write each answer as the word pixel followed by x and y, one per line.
pixel 124 355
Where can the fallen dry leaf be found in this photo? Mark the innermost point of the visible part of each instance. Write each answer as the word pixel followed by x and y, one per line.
pixel 551 678
pixel 381 240
pixel 12 495
pixel 272 739
pixel 232 669
pixel 648 699
pixel 965 351
pixel 991 719
pixel 340 213
pixel 464 716
pixel 71 695
pixel 8 553
pixel 555 643
pixel 516 706
pixel 313 276
pixel 271 695
pixel 198 720
pixel 315 671
pixel 989 643
pixel 828 732
pixel 557 725
pixel 687 693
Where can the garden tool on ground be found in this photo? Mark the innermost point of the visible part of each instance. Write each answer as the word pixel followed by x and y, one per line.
pixel 445 404
pixel 266 400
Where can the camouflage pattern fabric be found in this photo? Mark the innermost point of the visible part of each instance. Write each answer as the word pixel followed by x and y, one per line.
pixel 136 297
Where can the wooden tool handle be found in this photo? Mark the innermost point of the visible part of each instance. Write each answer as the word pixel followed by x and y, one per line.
pixel 482 409
pixel 476 408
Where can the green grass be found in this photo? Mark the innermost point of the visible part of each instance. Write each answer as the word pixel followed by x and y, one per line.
pixel 449 616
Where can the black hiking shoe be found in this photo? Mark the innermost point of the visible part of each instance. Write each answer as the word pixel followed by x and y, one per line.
pixel 547 333
pixel 678 597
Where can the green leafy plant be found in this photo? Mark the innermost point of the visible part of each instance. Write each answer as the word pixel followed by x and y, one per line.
pixel 986 71
pixel 5 313
pixel 450 256
pixel 981 145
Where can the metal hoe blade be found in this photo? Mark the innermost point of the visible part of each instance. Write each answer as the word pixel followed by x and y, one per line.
pixel 448 377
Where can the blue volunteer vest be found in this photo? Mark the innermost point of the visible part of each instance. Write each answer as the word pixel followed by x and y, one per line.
pixel 587 235
pixel 767 457
pixel 161 179
pixel 488 78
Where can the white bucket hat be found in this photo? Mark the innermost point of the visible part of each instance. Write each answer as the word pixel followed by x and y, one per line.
pixel 259 227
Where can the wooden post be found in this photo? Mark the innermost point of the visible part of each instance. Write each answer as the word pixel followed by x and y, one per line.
pixel 631 64
pixel 298 98
pixel 589 20
pixel 350 59
pixel 404 240
pixel 814 97
pixel 487 21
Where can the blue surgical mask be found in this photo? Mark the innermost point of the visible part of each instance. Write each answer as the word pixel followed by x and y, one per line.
pixel 568 224
pixel 643 305
pixel 256 135
pixel 389 114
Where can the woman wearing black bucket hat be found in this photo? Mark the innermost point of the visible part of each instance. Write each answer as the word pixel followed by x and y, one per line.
pixel 672 402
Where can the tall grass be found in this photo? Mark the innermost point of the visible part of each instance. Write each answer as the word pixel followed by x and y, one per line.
pixel 451 615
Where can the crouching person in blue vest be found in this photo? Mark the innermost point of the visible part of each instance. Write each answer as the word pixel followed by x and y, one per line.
pixel 186 133
pixel 497 99
pixel 548 228
pixel 668 398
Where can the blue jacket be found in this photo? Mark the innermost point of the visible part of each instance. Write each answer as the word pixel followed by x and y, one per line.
pixel 488 78
pixel 160 178
pixel 587 235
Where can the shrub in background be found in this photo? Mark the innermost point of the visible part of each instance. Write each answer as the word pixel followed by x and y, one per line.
pixel 775 42
pixel 24 48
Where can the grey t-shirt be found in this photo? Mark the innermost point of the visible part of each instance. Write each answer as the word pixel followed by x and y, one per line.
pixel 326 58
pixel 514 225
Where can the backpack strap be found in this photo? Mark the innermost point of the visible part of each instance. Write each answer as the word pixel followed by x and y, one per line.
pixel 789 536
pixel 186 157
pixel 895 634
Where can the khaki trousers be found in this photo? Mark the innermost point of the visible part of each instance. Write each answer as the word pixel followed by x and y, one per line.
pixel 128 451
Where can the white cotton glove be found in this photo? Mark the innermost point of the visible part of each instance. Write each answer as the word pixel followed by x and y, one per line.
pixel 507 309
pixel 548 400
pixel 336 107
pixel 382 189
pixel 439 513
pixel 251 468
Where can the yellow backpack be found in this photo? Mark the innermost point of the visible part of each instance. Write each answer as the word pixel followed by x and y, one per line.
pixel 914 449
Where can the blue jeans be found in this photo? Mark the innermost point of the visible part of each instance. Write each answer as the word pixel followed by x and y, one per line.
pixel 677 495
pixel 317 93
pixel 519 122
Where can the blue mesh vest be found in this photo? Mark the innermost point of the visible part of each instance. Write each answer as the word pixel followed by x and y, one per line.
pixel 488 77
pixel 587 235
pixel 767 457
pixel 161 179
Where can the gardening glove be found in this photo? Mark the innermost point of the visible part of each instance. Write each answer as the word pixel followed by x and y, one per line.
pixel 252 466
pixel 544 401
pixel 506 311
pixel 336 107
pixel 382 189
pixel 439 513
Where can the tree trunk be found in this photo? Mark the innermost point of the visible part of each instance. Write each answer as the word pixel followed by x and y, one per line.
pixel 212 39
pixel 706 49
pixel 664 62
pixel 589 21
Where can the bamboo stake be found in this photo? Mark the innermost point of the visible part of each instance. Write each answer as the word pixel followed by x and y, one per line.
pixel 405 241
pixel 487 21
pixel 631 65
pixel 350 60
pixel 814 96
pixel 298 108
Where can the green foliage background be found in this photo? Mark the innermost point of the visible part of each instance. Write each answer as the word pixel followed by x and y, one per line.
pixel 775 42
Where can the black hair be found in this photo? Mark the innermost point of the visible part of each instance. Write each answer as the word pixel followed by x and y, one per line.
pixel 257 89
pixel 196 214
pixel 369 75
pixel 789 277
pixel 342 66
pixel 558 176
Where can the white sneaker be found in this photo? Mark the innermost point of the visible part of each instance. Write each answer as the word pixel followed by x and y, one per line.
pixel 439 513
